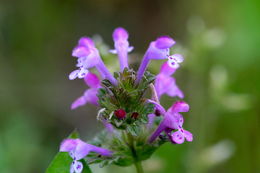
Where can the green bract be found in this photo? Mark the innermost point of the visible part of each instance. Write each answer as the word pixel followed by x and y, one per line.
pixel 130 135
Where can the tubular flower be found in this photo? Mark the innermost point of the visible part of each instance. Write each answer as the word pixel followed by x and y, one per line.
pixel 158 49
pixel 88 57
pixel 78 150
pixel 165 84
pixel 90 95
pixel 120 37
pixel 173 120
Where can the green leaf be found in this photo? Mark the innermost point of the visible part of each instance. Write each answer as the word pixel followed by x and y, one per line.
pixel 62 161
pixel 61 164
pixel 74 135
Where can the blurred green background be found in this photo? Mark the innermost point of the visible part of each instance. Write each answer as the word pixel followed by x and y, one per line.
pixel 220 78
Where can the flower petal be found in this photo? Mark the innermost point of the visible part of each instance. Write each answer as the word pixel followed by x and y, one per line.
pixel 113 51
pixel 81 101
pixel 179 120
pixel 102 151
pixel 82 149
pixel 175 60
pixel 71 168
pixel 178 137
pixel 90 96
pixel 164 42
pixel 79 149
pixel 82 73
pixel 179 106
pixel 163 84
pixel 77 166
pixel 178 58
pixel 73 75
pixel 80 51
pixel 68 145
pixel 87 42
pixel 173 121
pixel 130 48
pixel 188 135
pixel 154 52
pixel 81 61
pixel 92 80
pixel 173 64
pixel 173 90
pixel 167 70
pixel 120 34
pixel 92 60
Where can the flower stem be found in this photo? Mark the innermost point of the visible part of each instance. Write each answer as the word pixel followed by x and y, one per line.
pixel 137 163
pixel 139 168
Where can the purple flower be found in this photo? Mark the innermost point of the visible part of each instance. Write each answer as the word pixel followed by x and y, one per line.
pixel 158 49
pixel 120 37
pixel 179 136
pixel 88 57
pixel 90 95
pixel 78 150
pixel 173 120
pixel 165 84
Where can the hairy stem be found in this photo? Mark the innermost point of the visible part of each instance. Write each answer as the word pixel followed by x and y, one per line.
pixel 137 163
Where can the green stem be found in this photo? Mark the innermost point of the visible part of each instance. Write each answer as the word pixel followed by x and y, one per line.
pixel 137 163
pixel 139 168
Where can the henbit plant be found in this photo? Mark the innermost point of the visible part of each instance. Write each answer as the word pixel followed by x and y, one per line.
pixel 135 126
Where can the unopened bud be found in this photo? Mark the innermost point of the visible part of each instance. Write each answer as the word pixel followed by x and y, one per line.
pixel 120 113
pixel 135 115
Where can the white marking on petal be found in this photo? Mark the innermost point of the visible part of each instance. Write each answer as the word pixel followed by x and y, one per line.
pixel 173 63
pixel 178 58
pixel 175 60
pixel 81 61
pixel 78 166
pixel 130 49
pixel 71 168
pixel 72 155
pixel 73 75
pixel 113 51
pixel 83 72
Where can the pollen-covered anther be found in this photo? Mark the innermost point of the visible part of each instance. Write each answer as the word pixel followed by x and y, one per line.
pixel 120 113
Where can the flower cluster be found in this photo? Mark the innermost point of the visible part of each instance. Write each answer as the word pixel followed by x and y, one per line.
pixel 135 123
